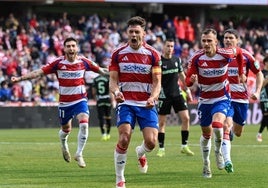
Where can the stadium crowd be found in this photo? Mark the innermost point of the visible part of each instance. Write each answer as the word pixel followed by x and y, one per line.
pixel 27 43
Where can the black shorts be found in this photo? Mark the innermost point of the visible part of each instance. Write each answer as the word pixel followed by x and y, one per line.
pixel 104 111
pixel 178 104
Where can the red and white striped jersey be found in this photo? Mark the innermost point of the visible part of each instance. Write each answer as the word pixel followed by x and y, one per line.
pixel 71 78
pixel 239 90
pixel 212 73
pixel 135 72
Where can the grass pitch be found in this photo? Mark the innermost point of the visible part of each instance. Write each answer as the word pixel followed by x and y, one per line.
pixel 31 158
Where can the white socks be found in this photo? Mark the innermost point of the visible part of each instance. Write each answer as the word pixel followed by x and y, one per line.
pixel 205 145
pixel 82 138
pixel 120 163
pixel 63 139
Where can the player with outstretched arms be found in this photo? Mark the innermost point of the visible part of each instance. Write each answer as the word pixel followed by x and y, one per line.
pixel 70 71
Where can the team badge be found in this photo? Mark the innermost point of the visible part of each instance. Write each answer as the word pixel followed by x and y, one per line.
pixel 257 64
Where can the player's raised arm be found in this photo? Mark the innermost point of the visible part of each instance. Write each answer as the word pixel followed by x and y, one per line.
pixel 29 76
pixel 239 58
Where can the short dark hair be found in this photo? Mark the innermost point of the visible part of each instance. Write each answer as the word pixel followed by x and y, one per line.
pixel 232 31
pixel 209 30
pixel 70 39
pixel 169 40
pixel 4 82
pixel 265 60
pixel 137 20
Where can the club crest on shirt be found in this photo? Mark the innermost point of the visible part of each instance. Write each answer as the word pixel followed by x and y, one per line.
pixel 257 64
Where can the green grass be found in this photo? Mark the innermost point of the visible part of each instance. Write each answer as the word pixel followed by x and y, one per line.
pixel 31 158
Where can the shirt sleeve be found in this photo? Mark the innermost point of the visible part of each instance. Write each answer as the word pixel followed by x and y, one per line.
pixel 192 69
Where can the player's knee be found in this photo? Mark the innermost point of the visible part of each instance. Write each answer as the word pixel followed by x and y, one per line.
pixel 66 128
pixel 124 140
pixel 150 144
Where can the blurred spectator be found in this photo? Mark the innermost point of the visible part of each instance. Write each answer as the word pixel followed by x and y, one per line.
pixel 170 31
pixel 158 44
pixel 180 29
pixel 12 22
pixel 114 37
pixel 159 33
pixel 2 77
pixel 33 23
pixel 17 94
pixel 27 90
pixel 32 42
pixel 5 92
pixel 150 37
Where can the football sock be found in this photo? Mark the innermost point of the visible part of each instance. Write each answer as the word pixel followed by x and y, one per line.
pixel 226 147
pixel 82 137
pixel 64 138
pixel 101 125
pixel 218 135
pixel 108 128
pixel 142 150
pixel 161 140
pixel 184 137
pixel 120 159
pixel 205 144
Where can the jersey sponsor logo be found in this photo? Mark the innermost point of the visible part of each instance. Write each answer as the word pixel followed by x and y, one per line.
pixel 213 72
pixel 71 75
pixel 232 71
pixel 171 71
pixel 134 68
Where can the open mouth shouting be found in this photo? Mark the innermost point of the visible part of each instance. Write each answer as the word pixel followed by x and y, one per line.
pixel 134 43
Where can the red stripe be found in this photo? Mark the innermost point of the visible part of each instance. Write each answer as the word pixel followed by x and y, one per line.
pixel 226 136
pixel 131 77
pixel 84 121
pixel 212 94
pixel 71 82
pixel 70 98
pixel 138 96
pixel 120 150
pixel 212 80
pixel 216 124
pixel 206 136
pixel 239 95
